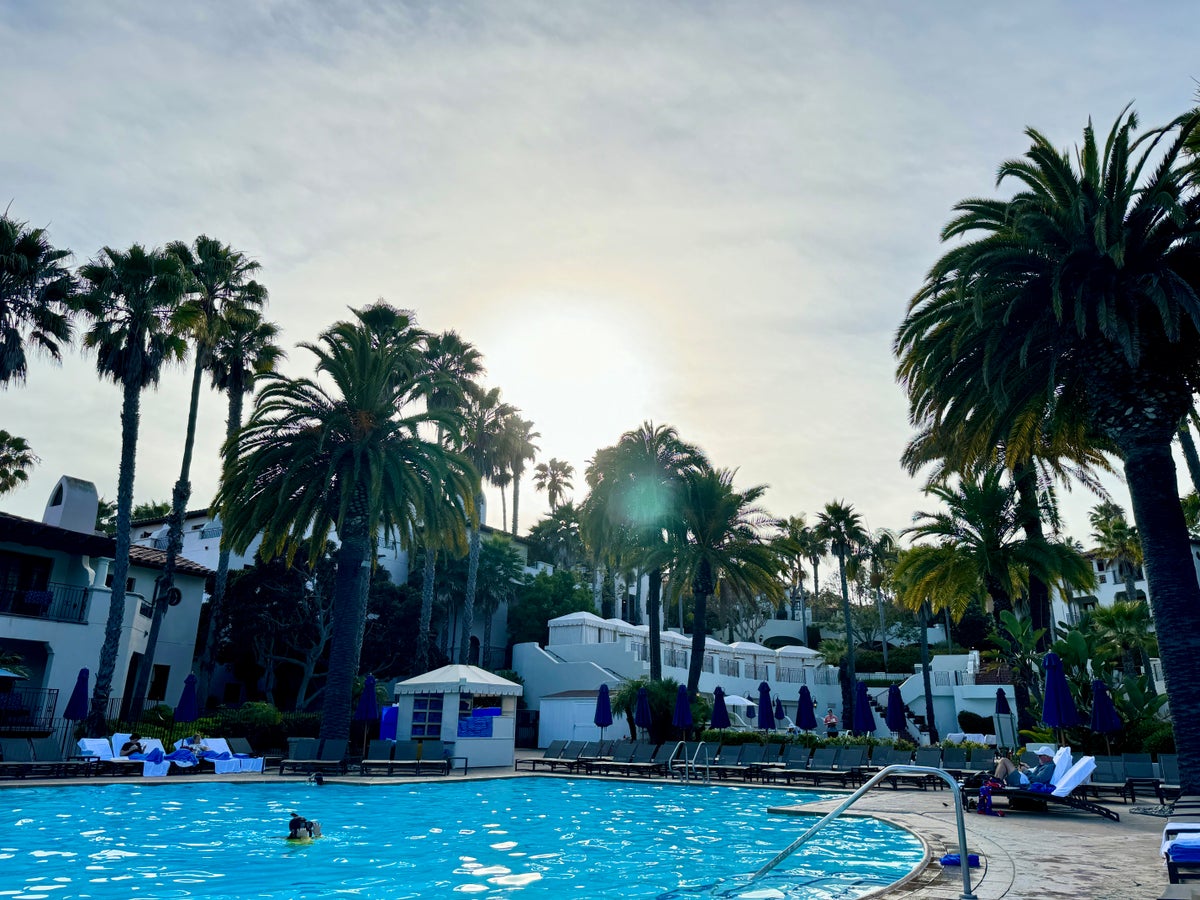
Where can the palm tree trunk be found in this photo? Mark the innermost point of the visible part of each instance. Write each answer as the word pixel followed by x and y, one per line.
pixel 847 694
pixel 1173 590
pixel 216 603
pixel 485 653
pixel 468 618
pixel 926 677
pixel 349 620
pixel 503 507
pixel 423 628
pixel 636 617
pixel 1189 452
pixel 1030 519
pixel 130 416
pixel 654 623
pixel 883 639
pixel 702 586
pixel 516 499
pixel 179 500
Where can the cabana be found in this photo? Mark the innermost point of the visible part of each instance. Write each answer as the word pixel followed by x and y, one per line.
pixel 472 711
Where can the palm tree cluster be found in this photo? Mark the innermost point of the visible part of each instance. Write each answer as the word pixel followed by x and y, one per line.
pixel 1065 323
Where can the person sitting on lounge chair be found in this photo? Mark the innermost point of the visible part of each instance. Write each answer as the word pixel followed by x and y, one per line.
pixel 1013 775
pixel 133 745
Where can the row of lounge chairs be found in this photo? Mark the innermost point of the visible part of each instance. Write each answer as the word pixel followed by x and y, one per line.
pixel 43 758
pixel 1126 775
pixel 308 756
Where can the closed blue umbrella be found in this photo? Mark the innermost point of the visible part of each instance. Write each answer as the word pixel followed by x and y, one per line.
pixel 603 716
pixel 77 706
pixel 805 717
pixel 864 719
pixel 368 707
pixel 682 717
pixel 720 715
pixel 766 714
pixel 187 710
pixel 641 711
pixel 1104 715
pixel 780 715
pixel 1002 707
pixel 1058 710
pixel 896 720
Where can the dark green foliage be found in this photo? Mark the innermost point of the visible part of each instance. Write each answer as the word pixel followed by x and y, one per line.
pixel 974 629
pixel 545 597
pixel 902 660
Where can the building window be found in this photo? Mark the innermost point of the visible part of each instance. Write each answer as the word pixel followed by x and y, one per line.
pixel 427 716
pixel 158 683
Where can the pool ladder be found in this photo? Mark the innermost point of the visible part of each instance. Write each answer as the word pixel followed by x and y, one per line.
pixel 879 776
pixel 690 764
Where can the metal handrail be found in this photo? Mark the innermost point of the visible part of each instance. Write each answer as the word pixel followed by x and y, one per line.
pixel 689 763
pixel 870 783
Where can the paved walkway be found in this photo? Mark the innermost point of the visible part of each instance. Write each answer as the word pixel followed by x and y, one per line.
pixel 1025 855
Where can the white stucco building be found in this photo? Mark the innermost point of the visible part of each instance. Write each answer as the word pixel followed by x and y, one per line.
pixel 54 599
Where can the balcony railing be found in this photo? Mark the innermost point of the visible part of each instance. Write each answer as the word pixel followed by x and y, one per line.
pixel 57 602
pixel 26 710
pixel 758 673
pixel 676 658
pixel 789 675
pixel 729 667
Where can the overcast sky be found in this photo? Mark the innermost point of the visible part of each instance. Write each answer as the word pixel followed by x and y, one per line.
pixel 704 214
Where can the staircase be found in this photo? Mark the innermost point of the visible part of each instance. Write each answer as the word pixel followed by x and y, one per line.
pixel 880 710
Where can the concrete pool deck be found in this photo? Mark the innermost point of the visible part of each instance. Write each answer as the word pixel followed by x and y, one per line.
pixel 1025 855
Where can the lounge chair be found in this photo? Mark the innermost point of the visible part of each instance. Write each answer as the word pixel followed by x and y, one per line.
pixel 49 760
pixel 795 759
pixel 241 749
pixel 1181 849
pixel 16 758
pixel 954 761
pixel 822 763
pixel 1140 775
pixel 1108 777
pixel 553 751
pixel 1168 765
pixel 107 762
pixel 691 760
pixel 433 758
pixel 1069 793
pixel 379 756
pixel 655 765
pixel 622 752
pixel 301 752
pixel 155 763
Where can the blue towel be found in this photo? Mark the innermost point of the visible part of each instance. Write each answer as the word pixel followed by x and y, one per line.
pixel 1183 854
pixel 953 859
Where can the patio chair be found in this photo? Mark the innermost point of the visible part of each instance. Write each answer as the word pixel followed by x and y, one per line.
pixel 1069 793
pixel 433 758
pixel 794 759
pixel 822 762
pixel 954 761
pixel 157 766
pixel 622 752
pixel 655 765
pixel 1181 849
pixel 642 753
pixel 1108 777
pixel 406 758
pixel 107 762
pixel 553 751
pixel 240 748
pixel 1140 775
pixel 851 764
pixel 16 758
pixel 301 752
pixel 915 779
pixel 379 756
pixel 48 759
pixel 1168 766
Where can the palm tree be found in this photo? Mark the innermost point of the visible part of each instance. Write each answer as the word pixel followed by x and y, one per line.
pixel 483 434
pixel 1117 541
pixel 244 346
pixel 920 587
pixel 843 528
pixel 220 283
pixel 633 500
pixel 1123 630
pixel 792 549
pixel 719 539
pixel 1083 287
pixel 557 537
pixel 350 458
pixel 36 293
pixel 16 461
pixel 130 298
pixel 880 551
pixel 813 546
pixel 453 367
pixel 520 449
pixel 554 478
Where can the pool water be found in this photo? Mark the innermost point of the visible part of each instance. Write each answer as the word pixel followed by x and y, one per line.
pixel 520 838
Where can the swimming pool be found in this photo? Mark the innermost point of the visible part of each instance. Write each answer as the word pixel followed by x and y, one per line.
pixel 521 838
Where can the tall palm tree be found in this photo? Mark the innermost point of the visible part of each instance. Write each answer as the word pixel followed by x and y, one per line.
pixel 880 550
pixel 130 298
pixel 1117 541
pixel 350 457
pixel 813 546
pixel 557 536
pixel 1084 287
pixel 843 528
pixel 920 588
pixel 1123 630
pixel 520 448
pixel 244 346
pixel 554 478
pixel 719 539
pixel 453 367
pixel 484 436
pixel 36 292
pixel 16 461
pixel 633 501
pixel 220 282
pixel 792 549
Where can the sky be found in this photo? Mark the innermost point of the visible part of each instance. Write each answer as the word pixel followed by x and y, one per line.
pixel 709 215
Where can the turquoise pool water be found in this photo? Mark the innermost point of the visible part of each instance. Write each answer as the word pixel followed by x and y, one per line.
pixel 519 838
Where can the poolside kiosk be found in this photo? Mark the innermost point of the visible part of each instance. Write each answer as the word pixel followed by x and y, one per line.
pixel 471 710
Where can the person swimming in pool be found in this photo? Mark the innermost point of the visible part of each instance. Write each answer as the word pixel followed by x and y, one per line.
pixel 302 829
